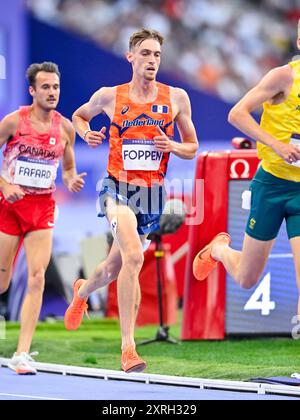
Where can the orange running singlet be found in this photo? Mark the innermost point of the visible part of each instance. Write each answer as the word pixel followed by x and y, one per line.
pixel 133 157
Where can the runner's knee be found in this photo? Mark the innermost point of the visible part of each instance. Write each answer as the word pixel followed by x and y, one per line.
pixel 36 282
pixel 134 260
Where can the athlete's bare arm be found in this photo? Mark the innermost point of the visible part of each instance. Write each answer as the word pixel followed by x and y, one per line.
pixel 72 180
pixel 103 101
pixel 8 127
pixel 183 118
pixel 274 88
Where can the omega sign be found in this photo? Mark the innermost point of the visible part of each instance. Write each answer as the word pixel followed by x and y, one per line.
pixel 240 169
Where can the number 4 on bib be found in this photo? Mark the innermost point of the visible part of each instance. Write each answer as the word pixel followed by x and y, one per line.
pixel 261 298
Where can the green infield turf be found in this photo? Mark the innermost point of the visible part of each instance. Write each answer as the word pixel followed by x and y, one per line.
pixel 97 344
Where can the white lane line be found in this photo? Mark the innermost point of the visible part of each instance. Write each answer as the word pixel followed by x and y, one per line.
pixel 31 397
pixel 281 256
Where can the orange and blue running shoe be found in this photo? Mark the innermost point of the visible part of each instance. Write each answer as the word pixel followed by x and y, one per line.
pixel 77 309
pixel 131 361
pixel 204 263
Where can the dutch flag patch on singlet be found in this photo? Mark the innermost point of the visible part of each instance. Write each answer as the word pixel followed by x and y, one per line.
pixel 160 109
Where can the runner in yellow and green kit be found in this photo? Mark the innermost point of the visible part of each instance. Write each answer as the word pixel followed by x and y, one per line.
pixel 276 186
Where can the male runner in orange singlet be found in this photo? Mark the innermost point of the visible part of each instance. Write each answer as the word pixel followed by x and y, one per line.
pixel 36 138
pixel 142 115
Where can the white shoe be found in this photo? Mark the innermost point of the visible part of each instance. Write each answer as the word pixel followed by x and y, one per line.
pixel 22 364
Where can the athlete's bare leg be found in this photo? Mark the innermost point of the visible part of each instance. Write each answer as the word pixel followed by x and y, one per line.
pixel 38 247
pixel 8 246
pixel 295 243
pixel 107 272
pixel 132 261
pixel 245 267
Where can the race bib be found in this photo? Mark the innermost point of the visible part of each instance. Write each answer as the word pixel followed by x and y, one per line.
pixel 35 173
pixel 140 155
pixel 295 140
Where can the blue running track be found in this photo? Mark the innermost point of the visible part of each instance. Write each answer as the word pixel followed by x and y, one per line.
pixel 57 387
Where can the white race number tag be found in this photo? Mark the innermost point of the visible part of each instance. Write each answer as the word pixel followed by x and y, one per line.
pixel 295 141
pixel 140 155
pixel 34 173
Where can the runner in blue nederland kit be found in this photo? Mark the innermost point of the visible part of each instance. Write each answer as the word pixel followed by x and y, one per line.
pixel 142 115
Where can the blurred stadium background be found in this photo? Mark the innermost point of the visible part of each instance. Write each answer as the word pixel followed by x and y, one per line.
pixel 215 49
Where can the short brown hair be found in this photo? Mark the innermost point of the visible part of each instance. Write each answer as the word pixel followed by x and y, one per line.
pixel 35 68
pixel 138 37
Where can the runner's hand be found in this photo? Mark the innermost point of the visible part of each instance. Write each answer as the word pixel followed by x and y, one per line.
pixel 95 138
pixel 12 193
pixel 162 142
pixel 77 183
pixel 288 152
